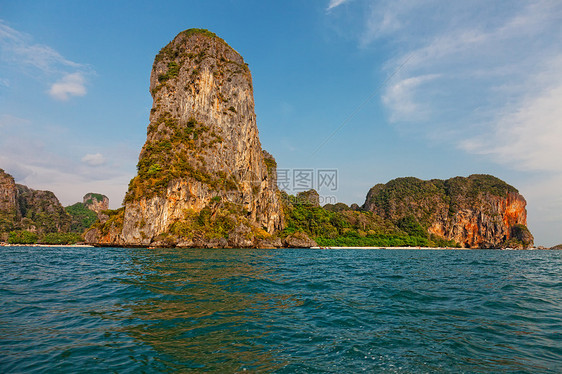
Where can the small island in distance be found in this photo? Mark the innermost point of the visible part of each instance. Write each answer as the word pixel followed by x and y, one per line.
pixel 204 181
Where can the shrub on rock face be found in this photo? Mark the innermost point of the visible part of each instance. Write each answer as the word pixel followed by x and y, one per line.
pixel 22 237
pixel 82 217
pixel 411 226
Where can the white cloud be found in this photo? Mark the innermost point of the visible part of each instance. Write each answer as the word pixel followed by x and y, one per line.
pixel 95 159
pixel 498 76
pixel 41 62
pixel 16 170
pixel 18 47
pixel 400 97
pixel 335 3
pixel 69 85
pixel 386 17
pixel 526 135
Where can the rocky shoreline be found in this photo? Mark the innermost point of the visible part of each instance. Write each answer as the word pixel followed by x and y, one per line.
pixel 314 247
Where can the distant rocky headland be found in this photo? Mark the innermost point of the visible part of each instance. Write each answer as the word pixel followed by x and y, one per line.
pixel 29 216
pixel 480 211
pixel 203 180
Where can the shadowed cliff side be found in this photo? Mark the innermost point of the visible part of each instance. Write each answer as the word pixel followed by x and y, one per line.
pixel 203 178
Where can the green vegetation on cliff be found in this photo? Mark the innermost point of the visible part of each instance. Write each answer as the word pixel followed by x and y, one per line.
pixel 216 220
pixel 174 57
pixel 91 197
pixel 61 238
pixel 352 228
pixel 420 199
pixel 8 221
pixel 29 216
pixel 477 211
pixel 173 70
pixel 82 217
pixel 174 153
pixel 41 211
pixel 520 237
pixel 114 221
pixel 169 52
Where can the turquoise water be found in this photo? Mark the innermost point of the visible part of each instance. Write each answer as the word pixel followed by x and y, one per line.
pixel 286 311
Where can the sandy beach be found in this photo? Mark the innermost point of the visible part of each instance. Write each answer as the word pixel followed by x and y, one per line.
pixel 385 248
pixel 47 245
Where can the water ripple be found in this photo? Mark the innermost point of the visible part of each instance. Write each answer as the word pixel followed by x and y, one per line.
pixel 285 311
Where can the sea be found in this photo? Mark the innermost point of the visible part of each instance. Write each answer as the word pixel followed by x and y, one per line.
pixel 138 310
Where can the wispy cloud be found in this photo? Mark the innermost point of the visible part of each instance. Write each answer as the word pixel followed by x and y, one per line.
pixel 497 77
pixel 68 185
pixel 526 134
pixel 399 97
pixel 93 159
pixel 69 85
pixel 19 50
pixel 335 3
pixel 19 47
pixel 386 17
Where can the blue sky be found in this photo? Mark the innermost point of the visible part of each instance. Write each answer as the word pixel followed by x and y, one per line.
pixel 374 89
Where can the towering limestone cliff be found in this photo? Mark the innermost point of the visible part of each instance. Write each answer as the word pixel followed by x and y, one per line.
pixel 22 208
pixel 480 211
pixel 202 173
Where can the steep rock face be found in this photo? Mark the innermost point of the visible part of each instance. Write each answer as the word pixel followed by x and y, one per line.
pixel 42 211
pixel 8 192
pixel 8 203
pixel 96 202
pixel 202 149
pixel 22 208
pixel 480 211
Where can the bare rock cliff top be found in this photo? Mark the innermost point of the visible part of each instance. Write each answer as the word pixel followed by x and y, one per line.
pixel 96 202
